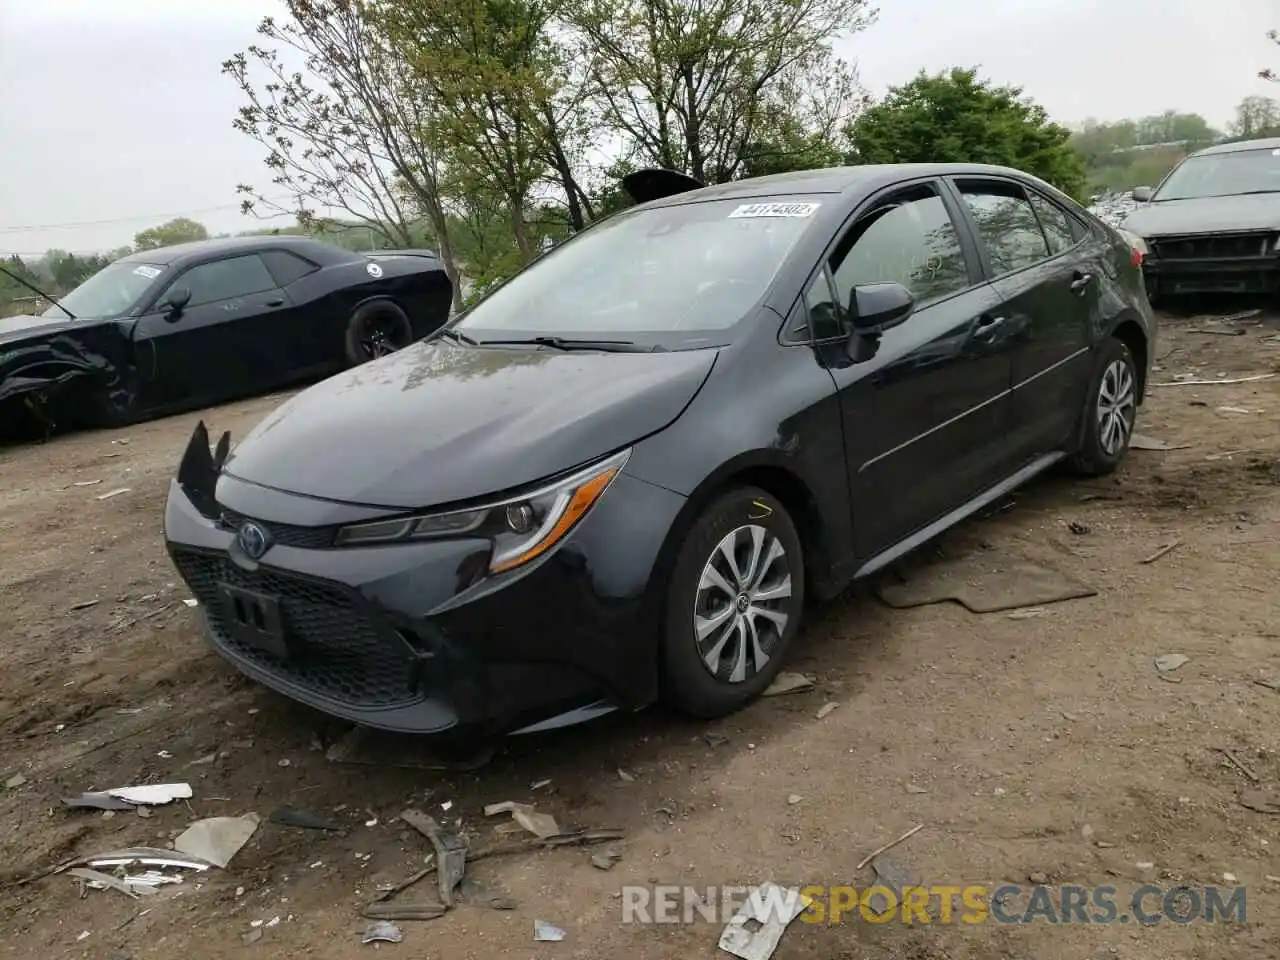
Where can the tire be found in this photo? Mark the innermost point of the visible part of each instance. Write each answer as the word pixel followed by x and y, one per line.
pixel 376 329
pixel 1108 423
pixel 746 514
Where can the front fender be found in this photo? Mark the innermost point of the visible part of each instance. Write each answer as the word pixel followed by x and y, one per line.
pixel 96 355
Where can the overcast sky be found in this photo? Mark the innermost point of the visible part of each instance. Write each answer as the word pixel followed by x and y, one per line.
pixel 115 114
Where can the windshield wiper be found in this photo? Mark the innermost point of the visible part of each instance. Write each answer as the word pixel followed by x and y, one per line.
pixel 460 337
pixel 36 290
pixel 563 343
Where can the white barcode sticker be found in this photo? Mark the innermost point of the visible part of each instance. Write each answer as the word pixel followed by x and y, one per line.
pixel 775 210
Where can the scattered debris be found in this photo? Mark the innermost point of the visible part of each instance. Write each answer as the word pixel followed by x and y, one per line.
pixel 1213 383
pixel 139 856
pixel 14 782
pixel 1240 765
pixel 541 825
pixel 84 605
pixel 1141 442
pixel 113 493
pixel 1168 662
pixel 754 931
pixel 1026 614
pixel 895 877
pixel 625 777
pixel 713 739
pixel 893 843
pixel 825 709
pixel 1167 548
pixel 793 799
pixel 1038 878
pixel 913 788
pixel 1261 801
pixel 250 937
pixel 361 745
pixel 789 683
pixel 217 839
pixel 605 860
pixel 451 852
pixel 417 910
pixel 539 785
pixel 477 894
pixel 1230 410
pixel 86 483
pixel 1005 580
pixel 544 932
pixel 382 931
pixel 1269 684
pixel 1078 528
pixel 191 602
pixel 304 819
pixel 97 801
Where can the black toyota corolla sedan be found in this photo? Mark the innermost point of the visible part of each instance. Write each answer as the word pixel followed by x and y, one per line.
pixel 621 474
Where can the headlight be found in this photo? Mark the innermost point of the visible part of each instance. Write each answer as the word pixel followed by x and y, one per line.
pixel 522 528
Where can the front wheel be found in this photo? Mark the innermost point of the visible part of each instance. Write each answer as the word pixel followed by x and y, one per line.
pixel 375 330
pixel 1112 409
pixel 734 604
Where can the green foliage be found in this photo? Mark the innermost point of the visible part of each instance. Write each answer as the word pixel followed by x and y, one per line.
pixel 178 230
pixel 955 117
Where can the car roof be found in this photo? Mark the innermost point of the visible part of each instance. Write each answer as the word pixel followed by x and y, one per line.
pixel 1239 146
pixel 865 178
pixel 180 254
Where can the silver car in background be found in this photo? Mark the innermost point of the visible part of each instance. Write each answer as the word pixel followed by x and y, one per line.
pixel 1213 224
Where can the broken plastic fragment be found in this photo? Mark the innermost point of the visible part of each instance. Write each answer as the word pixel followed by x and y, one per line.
pixel 546 932
pixel 217 839
pixel 152 794
pixel 768 909
pixel 383 930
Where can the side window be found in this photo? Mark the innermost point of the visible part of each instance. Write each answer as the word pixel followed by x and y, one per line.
pixel 225 279
pixel 910 239
pixel 1056 224
pixel 287 267
pixel 1007 225
pixel 824 313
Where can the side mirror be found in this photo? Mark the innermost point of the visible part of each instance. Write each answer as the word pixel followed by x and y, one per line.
pixel 1141 194
pixel 877 307
pixel 177 300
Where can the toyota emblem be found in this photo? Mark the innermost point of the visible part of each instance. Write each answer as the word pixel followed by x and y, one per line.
pixel 253 540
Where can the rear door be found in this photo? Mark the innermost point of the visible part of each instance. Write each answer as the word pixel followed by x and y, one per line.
pixel 216 346
pixel 1040 264
pixel 926 417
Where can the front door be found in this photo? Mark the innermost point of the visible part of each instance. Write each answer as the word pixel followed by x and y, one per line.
pixel 926 417
pixel 1043 270
pixel 213 348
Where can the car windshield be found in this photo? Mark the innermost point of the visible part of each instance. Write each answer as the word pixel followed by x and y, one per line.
pixel 110 292
pixel 1223 175
pixel 666 276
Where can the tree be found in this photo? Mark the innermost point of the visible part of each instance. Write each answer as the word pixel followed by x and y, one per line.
pixel 346 132
pixel 692 85
pixel 1256 117
pixel 954 117
pixel 487 67
pixel 177 230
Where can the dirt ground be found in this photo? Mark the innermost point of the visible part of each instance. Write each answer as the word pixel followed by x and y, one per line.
pixel 1041 745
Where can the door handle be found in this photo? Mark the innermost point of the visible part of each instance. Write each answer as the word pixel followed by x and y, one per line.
pixel 275 302
pixel 1081 282
pixel 987 326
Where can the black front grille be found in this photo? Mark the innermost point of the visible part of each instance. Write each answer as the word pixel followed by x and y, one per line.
pixel 288 535
pixel 1225 246
pixel 336 648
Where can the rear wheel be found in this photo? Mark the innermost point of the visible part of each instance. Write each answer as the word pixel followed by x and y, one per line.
pixel 375 330
pixel 1112 408
pixel 734 604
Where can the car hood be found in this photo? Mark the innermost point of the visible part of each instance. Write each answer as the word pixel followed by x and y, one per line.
pixel 1256 211
pixel 19 328
pixel 441 422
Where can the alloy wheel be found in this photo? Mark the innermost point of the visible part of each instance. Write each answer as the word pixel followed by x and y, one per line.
pixel 1116 407
pixel 742 604
pixel 377 338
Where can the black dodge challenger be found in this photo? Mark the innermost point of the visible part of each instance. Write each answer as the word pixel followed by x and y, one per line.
pixel 199 323
pixel 622 473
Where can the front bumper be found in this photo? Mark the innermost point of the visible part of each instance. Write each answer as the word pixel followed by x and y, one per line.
pixel 1227 263
pixel 401 636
